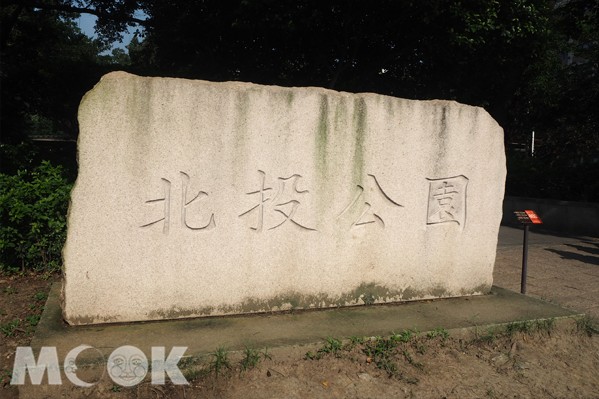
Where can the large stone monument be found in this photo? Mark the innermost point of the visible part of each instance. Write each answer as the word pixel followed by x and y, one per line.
pixel 198 199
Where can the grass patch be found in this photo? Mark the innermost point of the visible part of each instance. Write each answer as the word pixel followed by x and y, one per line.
pixel 488 336
pixel 519 326
pixel 587 325
pixel 10 290
pixel 380 351
pixel 191 368
pixel 405 336
pixel 252 357
pixel 411 360
pixel 438 332
pixel 332 346
pixel 545 325
pixel 8 329
pixel 220 361
pixel 40 296
pixel 354 341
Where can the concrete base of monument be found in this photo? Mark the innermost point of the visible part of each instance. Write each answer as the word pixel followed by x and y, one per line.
pixel 281 333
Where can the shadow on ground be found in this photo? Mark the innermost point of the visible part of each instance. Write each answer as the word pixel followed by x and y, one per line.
pixel 589 259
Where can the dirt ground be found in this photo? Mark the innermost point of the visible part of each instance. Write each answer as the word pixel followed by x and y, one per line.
pixel 528 361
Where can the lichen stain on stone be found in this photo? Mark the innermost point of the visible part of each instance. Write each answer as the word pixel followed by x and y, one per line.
pixel 139 102
pixel 359 123
pixel 364 294
pixel 441 140
pixel 340 114
pixel 390 106
pixel 205 323
pixel 322 136
pixel 290 98
pixel 85 320
pixel 240 130
pixel 482 289
pixel 177 313
pixel 443 122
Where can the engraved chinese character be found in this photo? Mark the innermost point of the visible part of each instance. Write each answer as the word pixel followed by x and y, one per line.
pixel 284 201
pixel 185 203
pixel 167 206
pixel 362 203
pixel 447 200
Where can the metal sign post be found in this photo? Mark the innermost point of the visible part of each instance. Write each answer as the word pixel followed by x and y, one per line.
pixel 524 261
pixel 527 218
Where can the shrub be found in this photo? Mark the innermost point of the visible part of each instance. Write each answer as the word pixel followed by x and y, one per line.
pixel 33 207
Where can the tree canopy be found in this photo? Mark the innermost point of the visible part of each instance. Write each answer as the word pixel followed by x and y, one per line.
pixel 474 52
pixel 531 63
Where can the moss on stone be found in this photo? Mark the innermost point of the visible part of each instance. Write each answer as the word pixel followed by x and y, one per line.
pixel 364 294
pixel 359 132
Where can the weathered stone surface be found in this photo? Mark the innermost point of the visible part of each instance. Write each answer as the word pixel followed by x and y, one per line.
pixel 197 198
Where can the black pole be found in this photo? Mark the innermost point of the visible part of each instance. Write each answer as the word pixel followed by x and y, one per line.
pixel 524 260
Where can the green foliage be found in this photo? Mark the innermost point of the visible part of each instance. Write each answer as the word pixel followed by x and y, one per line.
pixel 47 65
pixel 251 358
pixel 220 361
pixel 519 326
pixel 532 64
pixel 380 351
pixel 33 207
pixel 332 346
pixel 33 320
pixel 487 336
pixel 10 290
pixel 5 376
pixel 354 341
pixel 404 336
pixel 545 325
pixel 8 329
pixel 192 368
pixel 40 296
pixel 438 332
pixel 410 359
pixel 587 325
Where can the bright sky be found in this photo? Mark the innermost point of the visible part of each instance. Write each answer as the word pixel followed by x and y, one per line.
pixel 87 22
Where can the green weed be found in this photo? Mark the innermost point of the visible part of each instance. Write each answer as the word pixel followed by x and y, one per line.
pixel 33 208
pixel 5 377
pixel 519 326
pixel 220 361
pixel 266 355
pixel 332 346
pixel 380 351
pixel 33 320
pixel 411 360
pixel 190 369
pixel 251 358
pixel 546 325
pixel 40 296
pixel 354 341
pixel 587 325
pixel 8 329
pixel 404 336
pixel 487 337
pixel 10 290
pixel 438 332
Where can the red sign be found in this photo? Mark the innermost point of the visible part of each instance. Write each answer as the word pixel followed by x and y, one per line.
pixel 534 218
